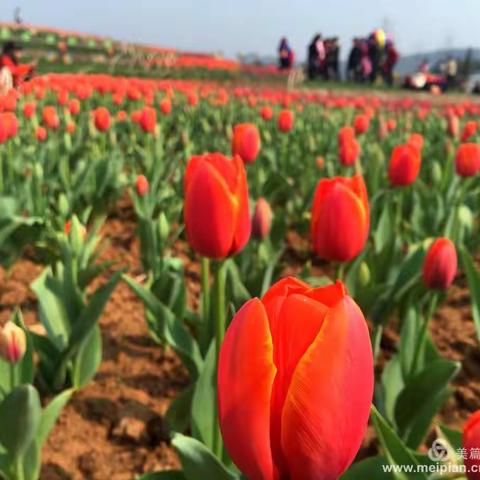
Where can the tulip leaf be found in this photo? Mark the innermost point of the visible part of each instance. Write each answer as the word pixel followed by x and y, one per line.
pixel 20 414
pixel 454 437
pixel 383 233
pixel 169 329
pixel 372 468
pixel 395 451
pixel 179 412
pixel 165 475
pixel 204 403
pixel 198 461
pixel 88 358
pixel 50 415
pixel 473 279
pixel 419 401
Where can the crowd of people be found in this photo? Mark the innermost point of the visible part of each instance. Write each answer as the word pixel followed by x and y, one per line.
pixel 371 58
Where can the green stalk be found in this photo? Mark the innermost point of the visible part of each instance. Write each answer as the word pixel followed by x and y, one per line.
pixel 205 281
pixel 13 376
pixel 19 473
pixel 219 316
pixel 431 306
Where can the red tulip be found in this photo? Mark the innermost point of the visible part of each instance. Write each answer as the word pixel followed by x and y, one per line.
pixel 469 130
pixel 416 140
pixel 349 150
pixel 345 134
pixel 285 120
pixel 101 118
pixel 41 133
pixel 440 264
pixel 74 106
pixel 71 127
pixel 29 109
pixel 262 219
pixel 404 165
pixel 361 123
pixel 10 120
pixel 246 142
pixel 216 211
pixel 166 106
pixel 266 113
pixel 391 124
pixel 471 442
pixel 295 383
pixel 50 117
pixel 467 160
pixel 148 119
pixel 142 185
pixel 453 125
pixel 192 99
pixel 340 218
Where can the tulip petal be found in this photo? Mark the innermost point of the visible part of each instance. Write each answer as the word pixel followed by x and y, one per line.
pixel 245 378
pixel 209 211
pixel 327 407
pixel 300 320
pixel 242 219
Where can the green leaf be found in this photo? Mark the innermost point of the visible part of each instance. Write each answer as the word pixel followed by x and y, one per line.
pixel 88 359
pixel 169 329
pixel 454 437
pixel 383 233
pixel 20 414
pixel 166 475
pixel 473 280
pixel 204 403
pixel 394 449
pixel 420 392
pixel 393 384
pixel 179 413
pixel 198 462
pixel 371 468
pixel 50 415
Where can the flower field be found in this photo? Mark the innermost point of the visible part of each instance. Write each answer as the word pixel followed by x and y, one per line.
pixel 206 281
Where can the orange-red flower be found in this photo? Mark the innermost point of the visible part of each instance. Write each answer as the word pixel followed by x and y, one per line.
pixel 41 133
pixel 440 264
pixel 50 117
pixel 453 125
pixel 29 109
pixel 142 185
pixel 340 218
pixel 471 444
pixel 246 142
pixel 467 160
pixel 469 130
pixel 285 120
pixel 262 219
pixel 349 150
pixel 101 118
pixel 166 106
pixel 148 120
pixel 12 343
pixel 74 106
pixel 216 211
pixel 361 123
pixel 295 383
pixel 266 113
pixel 405 164
pixel 416 140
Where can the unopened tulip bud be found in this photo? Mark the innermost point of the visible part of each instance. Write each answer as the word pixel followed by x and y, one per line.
pixel 142 185
pixel 13 343
pixel 363 274
pixel 440 264
pixel 262 219
pixel 163 227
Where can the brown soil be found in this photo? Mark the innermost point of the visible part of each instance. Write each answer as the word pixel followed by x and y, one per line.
pixel 114 428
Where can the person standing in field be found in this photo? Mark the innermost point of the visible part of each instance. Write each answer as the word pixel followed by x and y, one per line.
pixel 451 71
pixel 315 56
pixel 285 55
pixel 391 59
pixel 12 73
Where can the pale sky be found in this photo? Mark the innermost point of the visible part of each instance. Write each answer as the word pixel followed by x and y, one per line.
pixel 256 25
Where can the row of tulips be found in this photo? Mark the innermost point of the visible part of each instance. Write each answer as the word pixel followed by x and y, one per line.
pixel 281 368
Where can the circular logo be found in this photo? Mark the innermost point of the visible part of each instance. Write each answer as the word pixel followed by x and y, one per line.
pixel 438 452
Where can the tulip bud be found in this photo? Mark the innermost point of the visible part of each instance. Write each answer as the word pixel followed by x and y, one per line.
pixel 166 106
pixel 41 133
pixel 63 206
pixel 440 264
pixel 404 166
pixel 471 442
pixel 13 343
pixel 436 172
pixel 262 219
pixel 246 142
pixel 163 227
pixel 142 185
pixel 266 113
pixel 285 120
pixel 467 160
pixel 363 274
pixel 469 130
pixel 340 218
pixel 361 123
pixel 101 118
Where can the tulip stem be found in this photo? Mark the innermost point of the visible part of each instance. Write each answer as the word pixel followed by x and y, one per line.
pixel 219 312
pixel 420 347
pixel 13 376
pixel 205 281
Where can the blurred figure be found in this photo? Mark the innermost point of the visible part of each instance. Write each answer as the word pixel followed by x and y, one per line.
pixel 376 47
pixel 10 66
pixel 424 66
pixel 17 16
pixel 354 68
pixel 365 62
pixel 451 70
pixel 285 55
pixel 391 59
pixel 315 56
pixel 332 52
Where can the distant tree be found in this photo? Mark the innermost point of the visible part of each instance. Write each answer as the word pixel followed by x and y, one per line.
pixel 466 67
